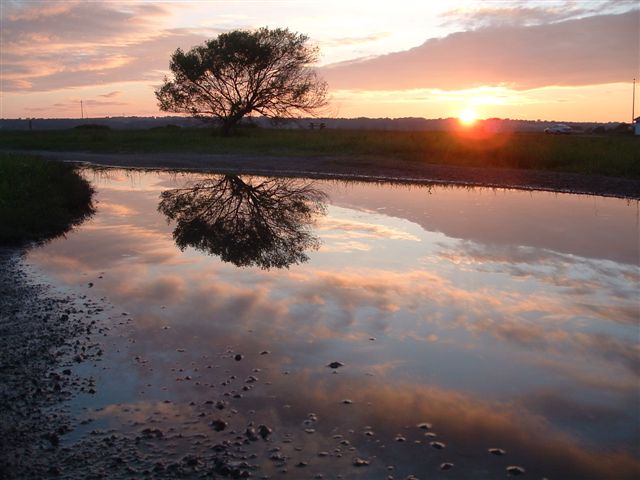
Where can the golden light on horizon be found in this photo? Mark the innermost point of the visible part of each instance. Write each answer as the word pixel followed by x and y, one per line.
pixel 468 116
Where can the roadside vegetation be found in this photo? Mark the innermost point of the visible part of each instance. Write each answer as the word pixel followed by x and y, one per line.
pixel 613 155
pixel 40 199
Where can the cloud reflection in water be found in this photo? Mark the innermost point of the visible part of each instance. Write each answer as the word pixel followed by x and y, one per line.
pixel 497 342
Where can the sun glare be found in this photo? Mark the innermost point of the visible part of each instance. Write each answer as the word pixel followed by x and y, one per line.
pixel 468 116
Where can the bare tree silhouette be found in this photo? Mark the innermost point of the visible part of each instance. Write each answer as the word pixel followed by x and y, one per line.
pixel 248 222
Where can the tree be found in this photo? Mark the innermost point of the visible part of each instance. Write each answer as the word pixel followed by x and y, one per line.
pixel 244 221
pixel 264 71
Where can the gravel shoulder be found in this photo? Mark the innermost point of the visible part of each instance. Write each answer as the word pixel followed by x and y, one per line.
pixel 362 168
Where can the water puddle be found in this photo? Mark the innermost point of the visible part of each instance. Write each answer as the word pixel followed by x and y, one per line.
pixel 459 320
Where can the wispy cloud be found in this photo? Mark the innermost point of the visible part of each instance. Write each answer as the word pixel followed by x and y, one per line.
pixel 111 94
pixel 523 14
pixel 75 44
pixel 350 41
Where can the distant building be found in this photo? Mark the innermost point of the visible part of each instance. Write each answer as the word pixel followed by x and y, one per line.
pixel 636 125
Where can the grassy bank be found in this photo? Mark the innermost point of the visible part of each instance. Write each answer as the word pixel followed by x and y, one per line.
pixel 40 199
pixel 605 155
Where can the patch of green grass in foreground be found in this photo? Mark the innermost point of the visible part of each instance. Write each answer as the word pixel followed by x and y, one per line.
pixel 588 154
pixel 40 199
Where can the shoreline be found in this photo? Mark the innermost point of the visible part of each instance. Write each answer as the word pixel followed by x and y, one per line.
pixel 45 334
pixel 359 169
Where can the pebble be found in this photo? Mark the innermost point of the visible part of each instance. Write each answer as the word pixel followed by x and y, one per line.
pixel 54 471
pixel 218 425
pixel 360 462
pixel 497 451
pixel 264 431
pixel 446 466
pixel 437 445
pixel 277 457
pixel 250 433
pixel 515 470
pixel 238 357
pixel 335 365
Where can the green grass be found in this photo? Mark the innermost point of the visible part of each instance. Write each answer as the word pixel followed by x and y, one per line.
pixel 40 199
pixel 605 155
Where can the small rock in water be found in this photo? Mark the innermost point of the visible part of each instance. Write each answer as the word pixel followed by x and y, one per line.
pixel 218 425
pixel 277 457
pixel 360 462
pixel 400 438
pixel 55 471
pixel 446 466
pixel 437 445
pixel 497 451
pixel 335 365
pixel 265 352
pixel 346 401
pixel 250 433
pixel 237 357
pixel 90 284
pixel 424 426
pixel 264 431
pixel 515 470
pixel 53 438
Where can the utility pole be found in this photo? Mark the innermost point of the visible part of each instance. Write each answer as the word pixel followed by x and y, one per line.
pixel 633 103
pixel 82 109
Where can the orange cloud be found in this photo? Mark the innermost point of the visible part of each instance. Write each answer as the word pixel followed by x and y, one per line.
pixel 592 50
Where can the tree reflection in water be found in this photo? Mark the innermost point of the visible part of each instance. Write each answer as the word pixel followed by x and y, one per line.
pixel 248 222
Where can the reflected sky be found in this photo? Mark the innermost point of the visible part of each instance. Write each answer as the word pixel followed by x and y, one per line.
pixel 506 319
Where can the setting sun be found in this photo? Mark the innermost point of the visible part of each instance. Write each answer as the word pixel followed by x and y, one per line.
pixel 468 116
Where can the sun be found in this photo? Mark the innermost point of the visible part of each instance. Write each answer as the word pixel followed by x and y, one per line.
pixel 468 116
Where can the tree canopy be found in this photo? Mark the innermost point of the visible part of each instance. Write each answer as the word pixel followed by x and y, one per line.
pixel 266 71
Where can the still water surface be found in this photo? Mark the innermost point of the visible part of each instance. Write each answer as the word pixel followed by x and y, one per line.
pixel 505 319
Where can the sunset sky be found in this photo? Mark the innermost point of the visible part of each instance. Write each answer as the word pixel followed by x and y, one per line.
pixel 545 59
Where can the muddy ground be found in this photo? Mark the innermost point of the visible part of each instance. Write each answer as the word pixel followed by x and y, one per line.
pixel 43 334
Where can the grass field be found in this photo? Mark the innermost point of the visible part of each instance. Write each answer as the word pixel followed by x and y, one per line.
pixel 605 155
pixel 40 199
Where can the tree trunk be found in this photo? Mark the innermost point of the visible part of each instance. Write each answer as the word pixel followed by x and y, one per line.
pixel 229 123
pixel 227 128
